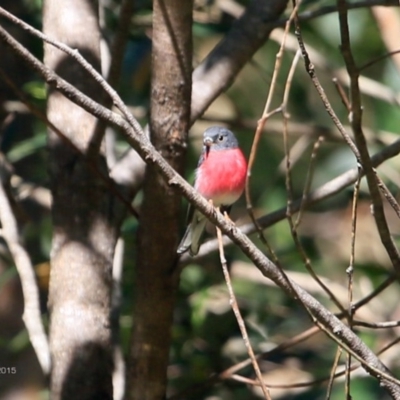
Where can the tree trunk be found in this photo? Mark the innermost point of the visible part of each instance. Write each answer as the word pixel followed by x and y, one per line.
pixel 84 237
pixel 156 282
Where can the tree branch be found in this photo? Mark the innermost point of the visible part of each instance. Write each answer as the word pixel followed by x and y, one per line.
pixel 32 316
pixel 364 158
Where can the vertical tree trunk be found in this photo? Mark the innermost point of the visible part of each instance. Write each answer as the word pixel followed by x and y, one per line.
pixel 83 238
pixel 156 281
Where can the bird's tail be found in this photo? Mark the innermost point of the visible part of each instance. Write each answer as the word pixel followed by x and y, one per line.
pixel 192 237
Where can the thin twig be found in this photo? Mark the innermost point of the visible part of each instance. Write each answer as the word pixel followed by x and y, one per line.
pixel 116 57
pixel 388 195
pixel 309 177
pixel 266 113
pixel 314 78
pixel 379 289
pixel 378 59
pixel 377 325
pixel 333 374
pixel 260 127
pixel 239 318
pixel 364 158
pixel 342 94
pixel 296 151
pixel 389 345
pixel 31 316
pixel 350 277
pixel 289 188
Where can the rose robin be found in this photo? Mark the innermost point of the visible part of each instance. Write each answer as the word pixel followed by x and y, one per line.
pixel 220 178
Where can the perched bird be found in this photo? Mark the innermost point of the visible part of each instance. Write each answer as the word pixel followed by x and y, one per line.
pixel 220 177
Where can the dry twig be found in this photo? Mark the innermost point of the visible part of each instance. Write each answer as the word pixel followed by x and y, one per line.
pixel 260 127
pixel 239 318
pixel 32 316
pixel 333 374
pixel 350 277
pixel 364 157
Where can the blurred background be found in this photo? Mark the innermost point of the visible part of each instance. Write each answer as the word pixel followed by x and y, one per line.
pixel 206 338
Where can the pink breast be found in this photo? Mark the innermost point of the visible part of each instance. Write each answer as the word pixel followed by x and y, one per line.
pixel 222 176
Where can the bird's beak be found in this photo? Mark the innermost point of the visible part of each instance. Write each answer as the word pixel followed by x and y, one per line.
pixel 207 141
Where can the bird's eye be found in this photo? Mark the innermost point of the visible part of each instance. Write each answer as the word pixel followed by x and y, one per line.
pixel 220 138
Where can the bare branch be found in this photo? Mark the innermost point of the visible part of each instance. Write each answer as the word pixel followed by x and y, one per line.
pixel 309 66
pixel 350 277
pixel 333 372
pixel 239 318
pixel 289 186
pixel 377 325
pixel 116 55
pixel 364 158
pixel 257 136
pixel 32 316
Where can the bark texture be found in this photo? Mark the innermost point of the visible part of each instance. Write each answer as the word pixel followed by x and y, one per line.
pixel 84 237
pixel 156 281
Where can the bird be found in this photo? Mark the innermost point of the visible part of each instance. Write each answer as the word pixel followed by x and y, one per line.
pixel 220 177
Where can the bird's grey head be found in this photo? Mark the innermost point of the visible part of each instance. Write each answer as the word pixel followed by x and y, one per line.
pixel 219 138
